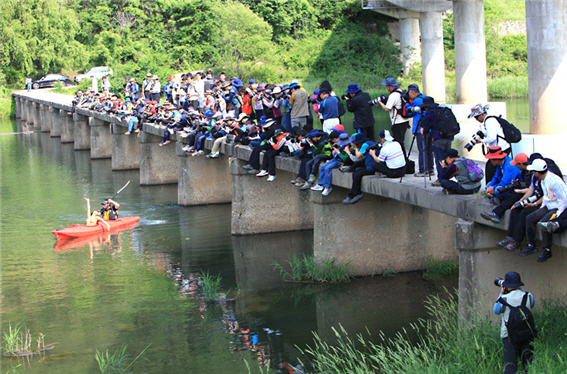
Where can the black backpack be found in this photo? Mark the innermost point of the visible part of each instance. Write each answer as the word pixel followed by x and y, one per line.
pixel 511 133
pixel 447 124
pixel 341 108
pixel 520 325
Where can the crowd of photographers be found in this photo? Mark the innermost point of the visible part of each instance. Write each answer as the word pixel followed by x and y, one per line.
pixel 286 121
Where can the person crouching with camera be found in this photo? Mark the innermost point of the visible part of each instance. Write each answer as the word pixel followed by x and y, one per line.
pixel 467 174
pixel 505 174
pixel 517 342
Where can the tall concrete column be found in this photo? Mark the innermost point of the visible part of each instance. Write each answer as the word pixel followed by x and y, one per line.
pixel 432 55
pixel 45 118
pixel 409 42
pixel 158 165
pixel 18 106
pixel 81 132
pixel 35 114
pixel 101 141
pixel 125 149
pixel 67 127
pixel 29 115
pixel 55 122
pixel 23 110
pixel 547 64
pixel 470 51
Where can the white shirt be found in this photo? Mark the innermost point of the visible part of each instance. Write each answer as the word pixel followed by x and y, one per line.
pixel 392 155
pixel 493 133
pixel 554 193
pixel 394 103
pixel 156 88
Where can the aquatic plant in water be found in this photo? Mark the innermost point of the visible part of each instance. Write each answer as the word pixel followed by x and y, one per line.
pixel 438 269
pixel 18 342
pixel 211 285
pixel 115 363
pixel 306 269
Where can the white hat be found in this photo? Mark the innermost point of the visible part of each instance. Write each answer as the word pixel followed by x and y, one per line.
pixel 277 90
pixel 269 123
pixel 538 165
pixel 149 75
pixel 242 116
pixel 155 77
pixel 385 134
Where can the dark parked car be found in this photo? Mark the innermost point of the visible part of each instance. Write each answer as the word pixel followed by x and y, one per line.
pixel 49 81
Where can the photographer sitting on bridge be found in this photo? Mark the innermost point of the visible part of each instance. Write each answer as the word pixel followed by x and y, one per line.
pixel 505 174
pixel 390 160
pixel 468 174
pixel 360 146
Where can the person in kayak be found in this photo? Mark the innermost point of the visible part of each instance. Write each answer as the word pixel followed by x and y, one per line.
pixel 109 210
pixel 95 218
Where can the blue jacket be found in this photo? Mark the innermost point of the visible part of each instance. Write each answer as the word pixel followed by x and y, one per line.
pixel 329 107
pixel 416 116
pixel 505 174
pixel 368 159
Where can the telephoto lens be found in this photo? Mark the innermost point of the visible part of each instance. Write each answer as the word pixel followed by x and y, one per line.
pixel 498 282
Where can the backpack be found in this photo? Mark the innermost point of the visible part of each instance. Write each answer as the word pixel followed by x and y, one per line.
pixel 475 172
pixel 341 108
pixel 403 111
pixel 520 325
pixel 511 133
pixel 447 124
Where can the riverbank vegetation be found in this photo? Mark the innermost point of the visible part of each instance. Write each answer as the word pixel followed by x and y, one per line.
pixel 446 343
pixel 117 361
pixel 306 269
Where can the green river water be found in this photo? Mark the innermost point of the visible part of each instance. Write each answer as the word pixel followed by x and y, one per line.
pixel 121 289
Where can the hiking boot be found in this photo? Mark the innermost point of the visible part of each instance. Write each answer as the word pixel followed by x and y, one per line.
pixel 490 216
pixel 512 246
pixel 327 191
pixel 421 174
pixel 550 226
pixel 311 179
pixel 529 250
pixel 271 178
pixel 262 173
pixel 317 187
pixel 305 186
pixel 356 198
pixel 503 243
pixel 545 255
pixel 345 169
pixel 127 133
pixel 253 171
pixel 437 183
pixel 300 182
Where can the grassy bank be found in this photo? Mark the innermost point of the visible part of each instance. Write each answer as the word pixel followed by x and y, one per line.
pixel 445 344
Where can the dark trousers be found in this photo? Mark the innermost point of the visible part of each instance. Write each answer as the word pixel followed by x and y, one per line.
pixel 312 166
pixel 357 180
pixel 440 146
pixel 368 132
pixel 254 159
pixel 511 354
pixel 517 223
pixel 200 142
pixel 399 134
pixel 156 96
pixel 507 203
pixel 456 188
pixel 303 166
pixel 269 161
pixel 425 159
pixel 259 113
pixel 193 103
pixel 381 167
pixel 542 214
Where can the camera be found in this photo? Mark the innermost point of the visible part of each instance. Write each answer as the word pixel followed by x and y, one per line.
pixel 475 139
pixel 381 98
pixel 344 97
pixel 516 183
pixel 498 282
pixel 414 109
pixel 531 199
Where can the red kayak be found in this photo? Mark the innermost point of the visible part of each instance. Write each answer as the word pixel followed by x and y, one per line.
pixel 83 230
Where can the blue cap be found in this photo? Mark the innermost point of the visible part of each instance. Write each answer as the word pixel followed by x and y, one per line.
pixel 251 81
pixel 209 113
pixel 390 82
pixel 285 87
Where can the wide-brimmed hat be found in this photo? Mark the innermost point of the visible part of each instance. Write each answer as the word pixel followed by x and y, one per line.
pixel 429 102
pixel 226 84
pixel 538 165
pixel 229 117
pixel 149 75
pixel 154 77
pixel 452 153
pixel 209 113
pixel 277 90
pixel 237 83
pixel 353 88
pixel 390 82
pixel 520 158
pixel 293 85
pixel 413 87
pixel 495 153
pixel 358 138
pixel 261 86
pixel 512 280
pixel 285 87
pixel 385 134
pixel 343 139
pixel 478 109
pixel 242 116
pixel 132 80
pixel 269 123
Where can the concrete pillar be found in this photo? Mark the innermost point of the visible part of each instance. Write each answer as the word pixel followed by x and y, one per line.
pixel 259 206
pixel 23 110
pixel 470 51
pixel 125 149
pixel 35 115
pixel 193 171
pixel 29 117
pixel 26 110
pixel 45 118
pixel 18 106
pixel 55 122
pixel 82 132
pixel 158 165
pixel 374 241
pixel 101 141
pixel 547 64
pixel 432 56
pixel 67 127
pixel 409 42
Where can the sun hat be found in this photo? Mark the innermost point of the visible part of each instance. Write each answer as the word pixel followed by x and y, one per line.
pixel 149 75
pixel 512 280
pixel 521 158
pixel 293 85
pixel 269 123
pixel 538 165
pixel 261 87
pixel 353 88
pixel 495 153
pixel 390 82
pixel 252 81
pixel 277 90
pixel 343 140
pixel 413 87
pixel 358 138
pixel 429 102
pixel 242 116
pixel 154 77
pixel 285 87
pixel 340 128
pixel 226 84
pixel 385 134
pixel 237 83
pixel 209 113
pixel 452 153
pixel 478 109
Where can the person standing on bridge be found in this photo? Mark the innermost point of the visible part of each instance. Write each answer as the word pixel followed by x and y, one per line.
pixel 363 118
pixel 156 89
pixel 394 107
pixel 29 83
pixel 105 86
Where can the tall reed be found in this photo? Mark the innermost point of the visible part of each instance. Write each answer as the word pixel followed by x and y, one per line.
pixel 306 269
pixel 211 285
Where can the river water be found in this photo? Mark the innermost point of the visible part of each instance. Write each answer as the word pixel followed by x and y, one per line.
pixel 121 289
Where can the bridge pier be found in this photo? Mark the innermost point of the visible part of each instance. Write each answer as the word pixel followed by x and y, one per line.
pixel 35 115
pixel 101 141
pixel 409 42
pixel 201 180
pixel 18 103
pixel 67 127
pixel 82 132
pixel 23 111
pixel 258 206
pixel 45 118
pixel 433 55
pixel 125 149
pixel 55 122
pixel 29 118
pixel 158 165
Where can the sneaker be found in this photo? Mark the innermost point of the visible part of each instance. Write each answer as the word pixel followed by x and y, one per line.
pixel 253 171
pixel 550 226
pixel 161 144
pixel 300 182
pixel 490 216
pixel 421 174
pixel 437 183
pixel 271 178
pixel 262 173
pixel 327 191
pixel 545 255
pixel 446 191
pixel 198 153
pixel 213 155
pixel 380 175
pixel 317 188
pixel 305 186
pixel 127 133
pixel 431 173
pixel 137 130
pixel 166 142
pixel 170 131
pixel 348 200
pixel 186 148
pixel 295 180
pixel 247 167
pixel 311 178
pixel 512 246
pixel 345 169
pixel 529 250
pixel 503 243
pixel 356 198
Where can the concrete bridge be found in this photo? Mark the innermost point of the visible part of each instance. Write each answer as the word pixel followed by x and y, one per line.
pixel 396 227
